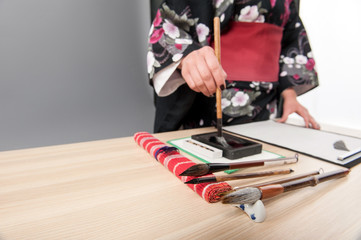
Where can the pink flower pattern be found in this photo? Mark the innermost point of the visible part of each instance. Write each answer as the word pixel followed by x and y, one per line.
pixel 170 29
pixel 310 64
pixel 157 20
pixel 239 99
pixel 250 14
pixel 202 32
pixel 287 13
pixel 273 3
pixel 157 34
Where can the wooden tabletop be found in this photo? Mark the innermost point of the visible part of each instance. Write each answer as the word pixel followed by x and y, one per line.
pixel 113 189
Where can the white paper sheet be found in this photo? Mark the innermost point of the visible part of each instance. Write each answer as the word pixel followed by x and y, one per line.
pixel 309 141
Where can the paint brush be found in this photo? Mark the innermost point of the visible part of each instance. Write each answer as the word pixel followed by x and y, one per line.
pixel 277 181
pixel 250 195
pixel 237 176
pixel 217 49
pixel 207 168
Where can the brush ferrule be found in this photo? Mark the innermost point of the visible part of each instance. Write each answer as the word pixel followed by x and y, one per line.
pixel 216 167
pixel 219 127
pixel 205 180
pixel 271 190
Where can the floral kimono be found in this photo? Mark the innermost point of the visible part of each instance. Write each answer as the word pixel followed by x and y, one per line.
pixel 181 27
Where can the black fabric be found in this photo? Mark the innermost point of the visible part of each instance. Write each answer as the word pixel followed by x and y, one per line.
pixel 188 109
pixel 183 108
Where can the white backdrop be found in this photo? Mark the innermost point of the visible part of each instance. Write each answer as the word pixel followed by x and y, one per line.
pixel 334 29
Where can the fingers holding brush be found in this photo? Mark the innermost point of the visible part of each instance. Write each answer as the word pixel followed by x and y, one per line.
pixel 202 71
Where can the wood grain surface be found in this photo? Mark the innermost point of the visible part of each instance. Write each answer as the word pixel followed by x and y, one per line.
pixel 113 189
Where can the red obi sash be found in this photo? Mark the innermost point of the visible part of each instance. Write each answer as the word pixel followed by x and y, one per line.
pixel 251 51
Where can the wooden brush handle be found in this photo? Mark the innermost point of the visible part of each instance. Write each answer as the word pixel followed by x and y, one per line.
pixel 245 164
pixel 314 180
pixel 279 181
pixel 217 38
pixel 252 175
pixel 219 103
pixel 275 189
pixel 217 50
pixel 256 163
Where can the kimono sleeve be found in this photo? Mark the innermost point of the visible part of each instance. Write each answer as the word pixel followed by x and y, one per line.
pixel 175 32
pixel 297 65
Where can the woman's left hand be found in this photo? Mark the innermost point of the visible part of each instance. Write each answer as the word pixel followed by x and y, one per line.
pixel 291 105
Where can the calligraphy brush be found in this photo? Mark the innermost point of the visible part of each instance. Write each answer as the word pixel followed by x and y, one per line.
pixel 217 49
pixel 250 195
pixel 278 181
pixel 237 176
pixel 207 168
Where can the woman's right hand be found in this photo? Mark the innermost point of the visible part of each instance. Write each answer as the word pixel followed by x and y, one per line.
pixel 202 71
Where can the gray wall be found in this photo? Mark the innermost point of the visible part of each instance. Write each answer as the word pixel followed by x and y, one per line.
pixel 73 70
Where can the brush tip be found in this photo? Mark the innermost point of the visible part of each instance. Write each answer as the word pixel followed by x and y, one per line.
pixel 247 195
pixel 193 181
pixel 222 141
pixel 196 170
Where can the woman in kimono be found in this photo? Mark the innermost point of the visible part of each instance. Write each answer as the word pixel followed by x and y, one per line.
pixel 265 56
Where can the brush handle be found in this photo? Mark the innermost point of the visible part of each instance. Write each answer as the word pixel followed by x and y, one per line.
pixel 255 163
pixel 217 167
pixel 217 38
pixel 287 179
pixel 314 180
pixel 275 189
pixel 252 175
pixel 217 50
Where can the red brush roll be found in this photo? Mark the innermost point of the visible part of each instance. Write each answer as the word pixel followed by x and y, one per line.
pixel 177 163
